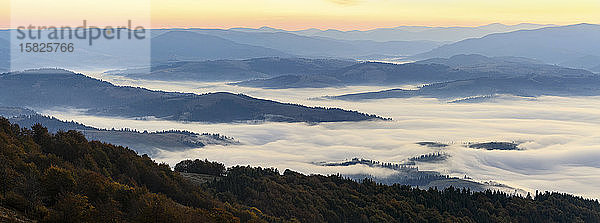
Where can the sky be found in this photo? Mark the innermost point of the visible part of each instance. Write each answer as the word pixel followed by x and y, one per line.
pixel 301 14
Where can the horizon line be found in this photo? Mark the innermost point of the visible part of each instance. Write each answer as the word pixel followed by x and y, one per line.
pixel 344 30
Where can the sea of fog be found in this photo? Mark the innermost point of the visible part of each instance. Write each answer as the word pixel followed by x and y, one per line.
pixel 560 136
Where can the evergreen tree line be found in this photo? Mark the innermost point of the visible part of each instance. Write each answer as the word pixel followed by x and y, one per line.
pixel 63 177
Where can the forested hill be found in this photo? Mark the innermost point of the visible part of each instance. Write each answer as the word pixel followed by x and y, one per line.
pixel 47 88
pixel 369 73
pixel 461 67
pixel 235 70
pixel 65 178
pixel 150 143
pixel 510 66
pixel 525 86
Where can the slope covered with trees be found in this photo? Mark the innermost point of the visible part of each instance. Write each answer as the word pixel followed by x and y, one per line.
pixel 461 67
pixel 489 87
pixel 235 70
pixel 334 199
pixel 145 142
pixel 369 73
pixel 565 45
pixel 184 45
pixel 65 178
pixel 509 66
pixel 50 88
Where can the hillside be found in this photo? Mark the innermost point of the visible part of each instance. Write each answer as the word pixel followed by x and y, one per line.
pixel 564 45
pixel 176 45
pixel 183 45
pixel 370 73
pixel 441 34
pixel 514 66
pixel 407 173
pixel 458 67
pixel 322 47
pixel 142 142
pixel 65 178
pixel 279 73
pixel 334 199
pixel 236 70
pixel 526 86
pixel 48 88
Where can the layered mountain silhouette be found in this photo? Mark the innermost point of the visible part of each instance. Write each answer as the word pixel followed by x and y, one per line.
pixel 184 45
pixel 236 70
pixel 407 33
pixel 201 44
pixel 436 70
pixel 320 47
pixel 572 46
pixel 487 87
pixel 51 88
pixel 506 65
pixel 565 45
pixel 367 73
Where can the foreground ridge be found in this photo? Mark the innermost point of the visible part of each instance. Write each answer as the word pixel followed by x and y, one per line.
pixel 63 177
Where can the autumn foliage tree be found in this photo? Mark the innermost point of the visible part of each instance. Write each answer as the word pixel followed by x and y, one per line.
pixel 63 177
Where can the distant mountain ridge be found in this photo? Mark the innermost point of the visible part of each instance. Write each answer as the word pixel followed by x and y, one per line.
pixel 367 73
pixel 507 65
pixel 47 88
pixel 235 70
pixel 459 67
pixel 564 45
pixel 467 60
pixel 407 33
pixel 184 45
pixel 168 45
pixel 524 86
pixel 321 47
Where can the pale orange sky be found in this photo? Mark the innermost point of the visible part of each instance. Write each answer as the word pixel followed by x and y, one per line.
pixel 301 14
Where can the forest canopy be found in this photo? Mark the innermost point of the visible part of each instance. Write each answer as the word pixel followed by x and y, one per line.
pixel 63 177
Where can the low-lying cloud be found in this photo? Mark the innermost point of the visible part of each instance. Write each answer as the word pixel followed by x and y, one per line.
pixel 559 135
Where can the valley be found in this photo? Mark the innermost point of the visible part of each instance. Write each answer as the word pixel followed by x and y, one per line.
pixel 548 134
pixel 300 111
